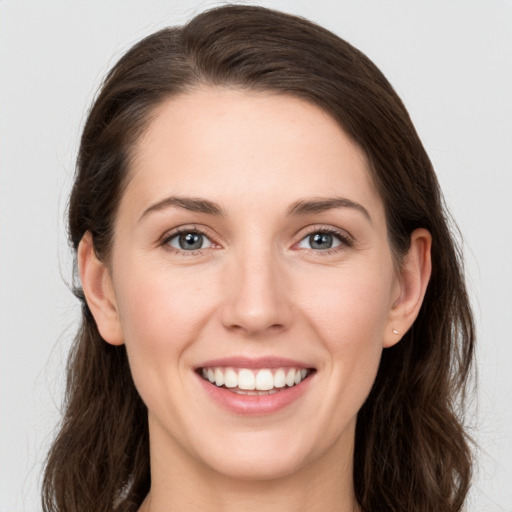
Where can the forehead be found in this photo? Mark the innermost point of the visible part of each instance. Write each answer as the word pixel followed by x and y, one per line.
pixel 245 146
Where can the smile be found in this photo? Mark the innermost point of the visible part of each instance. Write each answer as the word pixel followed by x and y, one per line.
pixel 263 381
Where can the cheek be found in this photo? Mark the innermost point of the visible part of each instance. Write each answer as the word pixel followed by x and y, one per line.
pixel 350 308
pixel 159 307
pixel 350 319
pixel 161 315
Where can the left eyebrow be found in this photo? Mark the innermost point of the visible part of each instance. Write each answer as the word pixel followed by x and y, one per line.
pixel 319 205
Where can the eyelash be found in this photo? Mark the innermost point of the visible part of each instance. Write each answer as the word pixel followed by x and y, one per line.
pixel 346 241
pixel 181 231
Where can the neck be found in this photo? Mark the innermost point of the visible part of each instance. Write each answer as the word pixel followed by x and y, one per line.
pixel 232 496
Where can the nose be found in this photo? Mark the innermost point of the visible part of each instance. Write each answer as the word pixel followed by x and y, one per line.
pixel 257 300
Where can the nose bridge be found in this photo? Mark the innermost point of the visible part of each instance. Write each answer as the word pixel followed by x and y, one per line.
pixel 257 299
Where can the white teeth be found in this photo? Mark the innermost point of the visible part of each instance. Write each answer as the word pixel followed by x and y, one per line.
pixel 264 380
pixel 246 379
pixel 230 378
pixel 252 382
pixel 280 379
pixel 219 377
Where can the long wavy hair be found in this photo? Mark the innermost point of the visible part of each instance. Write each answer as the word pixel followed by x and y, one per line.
pixel 411 450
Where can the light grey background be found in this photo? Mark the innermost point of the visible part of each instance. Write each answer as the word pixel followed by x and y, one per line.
pixel 450 60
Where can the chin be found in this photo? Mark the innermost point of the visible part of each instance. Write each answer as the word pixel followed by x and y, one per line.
pixel 258 467
pixel 262 455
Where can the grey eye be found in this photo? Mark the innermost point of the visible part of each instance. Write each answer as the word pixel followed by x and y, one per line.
pixel 320 241
pixel 191 241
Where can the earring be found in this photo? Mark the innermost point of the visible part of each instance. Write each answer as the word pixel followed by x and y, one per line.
pixel 395 331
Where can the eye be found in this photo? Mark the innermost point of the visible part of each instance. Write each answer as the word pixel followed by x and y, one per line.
pixel 323 240
pixel 189 241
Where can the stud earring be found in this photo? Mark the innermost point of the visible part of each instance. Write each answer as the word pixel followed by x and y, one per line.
pixel 395 331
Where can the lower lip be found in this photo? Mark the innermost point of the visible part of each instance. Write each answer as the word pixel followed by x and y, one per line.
pixel 254 404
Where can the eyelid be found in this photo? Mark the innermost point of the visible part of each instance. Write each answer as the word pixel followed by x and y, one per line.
pixel 345 238
pixel 188 228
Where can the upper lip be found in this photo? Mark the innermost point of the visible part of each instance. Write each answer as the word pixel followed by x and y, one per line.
pixel 253 363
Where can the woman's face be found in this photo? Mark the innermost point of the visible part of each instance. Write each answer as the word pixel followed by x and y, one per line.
pixel 251 248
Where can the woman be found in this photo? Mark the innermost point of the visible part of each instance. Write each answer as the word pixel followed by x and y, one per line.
pixel 274 313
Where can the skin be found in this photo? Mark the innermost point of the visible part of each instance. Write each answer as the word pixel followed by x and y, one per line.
pixel 256 288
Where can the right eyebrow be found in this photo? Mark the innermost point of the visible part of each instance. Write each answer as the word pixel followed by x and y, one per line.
pixel 195 204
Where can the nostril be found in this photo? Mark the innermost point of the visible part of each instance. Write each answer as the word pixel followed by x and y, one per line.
pixel 254 327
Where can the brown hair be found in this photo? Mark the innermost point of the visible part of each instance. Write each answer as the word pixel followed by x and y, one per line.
pixel 411 451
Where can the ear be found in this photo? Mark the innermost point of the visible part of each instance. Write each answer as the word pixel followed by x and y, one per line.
pixel 413 277
pixel 99 292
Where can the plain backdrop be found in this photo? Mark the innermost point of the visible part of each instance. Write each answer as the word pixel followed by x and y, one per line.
pixel 451 62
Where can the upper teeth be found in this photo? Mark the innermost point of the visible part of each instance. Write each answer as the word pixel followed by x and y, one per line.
pixel 261 380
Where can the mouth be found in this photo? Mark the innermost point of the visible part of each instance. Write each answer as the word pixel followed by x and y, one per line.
pixel 255 381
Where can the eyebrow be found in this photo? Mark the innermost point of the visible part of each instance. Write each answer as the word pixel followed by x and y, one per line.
pixel 319 205
pixel 193 204
pixel 301 207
